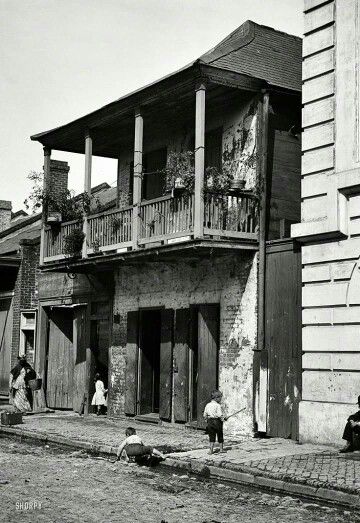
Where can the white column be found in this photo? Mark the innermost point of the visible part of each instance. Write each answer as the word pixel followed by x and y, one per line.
pixel 46 181
pixel 138 146
pixel 199 160
pixel 87 187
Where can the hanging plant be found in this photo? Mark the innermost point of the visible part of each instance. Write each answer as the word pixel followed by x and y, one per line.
pixel 73 243
pixel 180 172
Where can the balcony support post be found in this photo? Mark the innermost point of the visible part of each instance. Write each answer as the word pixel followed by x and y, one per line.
pixel 138 147
pixel 46 182
pixel 87 188
pixel 199 160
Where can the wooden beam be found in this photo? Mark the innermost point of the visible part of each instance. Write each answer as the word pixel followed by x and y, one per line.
pixel 260 380
pixel 231 79
pixel 138 148
pixel 87 186
pixel 46 181
pixel 199 160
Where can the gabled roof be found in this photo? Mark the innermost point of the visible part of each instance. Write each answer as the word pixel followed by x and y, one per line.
pixel 252 50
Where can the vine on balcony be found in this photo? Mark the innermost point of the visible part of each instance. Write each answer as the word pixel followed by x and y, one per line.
pixel 67 204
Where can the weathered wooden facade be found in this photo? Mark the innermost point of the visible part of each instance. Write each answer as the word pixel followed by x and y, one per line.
pixel 187 301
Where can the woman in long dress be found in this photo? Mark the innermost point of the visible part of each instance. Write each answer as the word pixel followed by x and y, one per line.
pixel 99 399
pixel 19 388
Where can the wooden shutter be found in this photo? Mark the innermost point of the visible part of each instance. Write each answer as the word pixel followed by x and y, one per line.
pixel 208 344
pixel 6 323
pixel 167 319
pixel 131 358
pixel 80 327
pixel 181 364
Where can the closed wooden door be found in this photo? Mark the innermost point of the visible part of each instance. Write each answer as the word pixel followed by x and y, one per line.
pixel 60 368
pixel 181 364
pixel 131 362
pixel 283 339
pixel 6 313
pixel 208 356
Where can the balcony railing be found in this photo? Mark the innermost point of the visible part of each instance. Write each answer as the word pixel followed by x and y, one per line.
pixel 166 219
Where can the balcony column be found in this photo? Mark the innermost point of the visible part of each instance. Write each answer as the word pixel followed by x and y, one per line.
pixel 138 147
pixel 199 160
pixel 87 187
pixel 46 181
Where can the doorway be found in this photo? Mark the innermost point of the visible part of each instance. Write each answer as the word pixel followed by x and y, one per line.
pixel 60 359
pixel 149 361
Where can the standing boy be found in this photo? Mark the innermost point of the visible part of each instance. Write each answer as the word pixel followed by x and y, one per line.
pixel 214 416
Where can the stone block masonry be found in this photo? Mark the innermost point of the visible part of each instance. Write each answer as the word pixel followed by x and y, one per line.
pixel 330 225
pixel 230 281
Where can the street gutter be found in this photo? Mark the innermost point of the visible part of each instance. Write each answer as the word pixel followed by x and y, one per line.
pixel 193 466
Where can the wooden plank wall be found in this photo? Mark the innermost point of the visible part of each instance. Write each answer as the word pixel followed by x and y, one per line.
pixel 283 337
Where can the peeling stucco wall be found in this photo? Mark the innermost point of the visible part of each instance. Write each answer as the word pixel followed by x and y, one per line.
pixel 230 281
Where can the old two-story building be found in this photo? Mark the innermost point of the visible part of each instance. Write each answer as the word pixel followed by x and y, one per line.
pixel 181 288
pixel 20 277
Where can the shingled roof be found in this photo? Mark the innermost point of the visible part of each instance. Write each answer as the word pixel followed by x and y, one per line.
pixel 261 52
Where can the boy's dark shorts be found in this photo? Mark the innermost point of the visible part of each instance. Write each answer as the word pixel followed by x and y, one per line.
pixel 136 449
pixel 215 428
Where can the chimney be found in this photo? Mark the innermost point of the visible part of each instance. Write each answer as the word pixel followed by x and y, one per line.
pixel 58 183
pixel 5 214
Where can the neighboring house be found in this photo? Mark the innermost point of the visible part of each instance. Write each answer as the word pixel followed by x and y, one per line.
pixel 330 219
pixel 19 278
pixel 19 262
pixel 176 293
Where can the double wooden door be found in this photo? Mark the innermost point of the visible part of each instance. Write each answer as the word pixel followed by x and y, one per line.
pixel 188 363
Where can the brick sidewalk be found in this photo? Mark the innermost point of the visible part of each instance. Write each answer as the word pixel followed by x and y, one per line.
pixel 313 470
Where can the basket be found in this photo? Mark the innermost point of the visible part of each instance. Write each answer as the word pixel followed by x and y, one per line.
pixel 11 418
pixel 35 384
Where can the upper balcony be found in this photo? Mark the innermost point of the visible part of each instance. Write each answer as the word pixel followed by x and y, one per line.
pixel 231 85
pixel 168 220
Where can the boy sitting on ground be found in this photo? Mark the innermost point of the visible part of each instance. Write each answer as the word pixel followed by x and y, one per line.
pixel 133 447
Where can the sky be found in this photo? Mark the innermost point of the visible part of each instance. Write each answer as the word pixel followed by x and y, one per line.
pixel 61 59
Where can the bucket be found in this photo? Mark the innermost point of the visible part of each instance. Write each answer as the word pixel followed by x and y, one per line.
pixel 35 384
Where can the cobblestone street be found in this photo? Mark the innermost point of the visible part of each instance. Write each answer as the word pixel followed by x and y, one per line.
pixel 43 484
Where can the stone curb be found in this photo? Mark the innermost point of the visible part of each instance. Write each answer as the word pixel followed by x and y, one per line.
pixel 208 471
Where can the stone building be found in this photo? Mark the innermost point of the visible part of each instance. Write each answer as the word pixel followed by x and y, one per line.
pixel 177 289
pixel 330 223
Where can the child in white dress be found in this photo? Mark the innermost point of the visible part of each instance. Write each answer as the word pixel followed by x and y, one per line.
pixel 99 399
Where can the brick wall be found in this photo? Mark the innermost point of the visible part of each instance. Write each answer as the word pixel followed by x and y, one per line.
pixel 230 281
pixel 58 183
pixel 5 214
pixel 26 289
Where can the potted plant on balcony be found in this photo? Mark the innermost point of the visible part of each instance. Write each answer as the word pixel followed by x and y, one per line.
pixel 73 243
